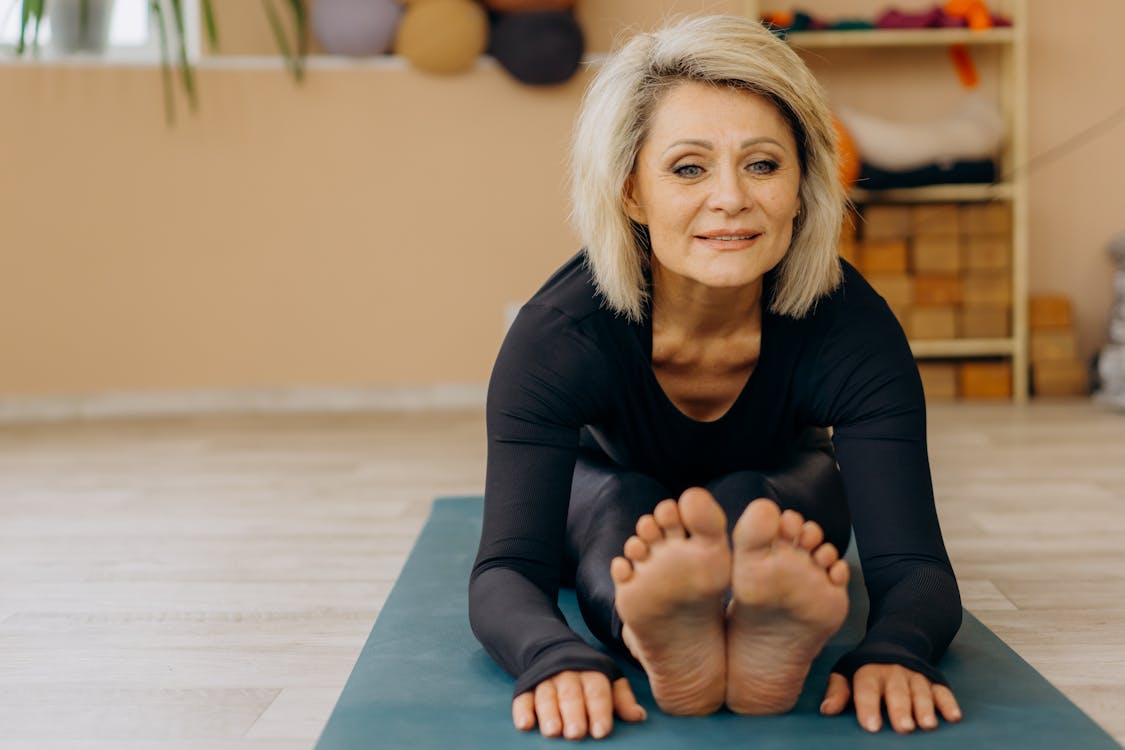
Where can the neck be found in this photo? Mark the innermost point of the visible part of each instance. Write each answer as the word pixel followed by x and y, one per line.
pixel 697 311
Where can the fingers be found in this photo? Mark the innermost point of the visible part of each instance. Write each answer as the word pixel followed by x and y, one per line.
pixel 868 685
pixel 599 703
pixel 547 709
pixel 923 701
pixel 625 703
pixel 574 704
pixel 900 707
pixel 910 698
pixel 837 695
pixel 523 711
pixel 946 703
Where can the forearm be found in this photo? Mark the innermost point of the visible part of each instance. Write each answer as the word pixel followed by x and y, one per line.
pixel 522 628
pixel 912 620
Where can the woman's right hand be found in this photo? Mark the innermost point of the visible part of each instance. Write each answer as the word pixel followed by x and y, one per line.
pixel 572 704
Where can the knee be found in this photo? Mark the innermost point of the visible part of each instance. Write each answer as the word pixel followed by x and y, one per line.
pixel 737 490
pixel 632 493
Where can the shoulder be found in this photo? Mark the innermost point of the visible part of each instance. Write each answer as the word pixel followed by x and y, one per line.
pixel 857 357
pixel 853 312
pixel 854 296
pixel 568 308
pixel 570 292
pixel 562 344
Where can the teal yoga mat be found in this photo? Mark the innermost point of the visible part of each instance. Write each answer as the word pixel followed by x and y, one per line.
pixel 422 681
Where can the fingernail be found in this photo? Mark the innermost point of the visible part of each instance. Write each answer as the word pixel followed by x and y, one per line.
pixel 600 729
pixel 872 725
pixel 906 725
pixel 929 722
pixel 644 713
pixel 824 707
pixel 550 727
pixel 955 714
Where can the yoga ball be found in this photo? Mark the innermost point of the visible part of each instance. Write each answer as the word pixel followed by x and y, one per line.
pixel 355 27
pixel 541 47
pixel 849 161
pixel 514 6
pixel 443 36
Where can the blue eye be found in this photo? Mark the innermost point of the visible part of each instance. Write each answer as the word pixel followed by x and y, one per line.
pixel 688 170
pixel 765 166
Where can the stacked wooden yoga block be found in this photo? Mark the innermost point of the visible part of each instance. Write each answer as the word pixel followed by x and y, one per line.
pixel 1056 369
pixel 945 269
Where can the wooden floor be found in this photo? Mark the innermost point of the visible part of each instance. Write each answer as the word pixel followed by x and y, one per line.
pixel 208 583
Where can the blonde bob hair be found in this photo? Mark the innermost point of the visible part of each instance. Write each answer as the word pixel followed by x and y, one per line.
pixel 613 123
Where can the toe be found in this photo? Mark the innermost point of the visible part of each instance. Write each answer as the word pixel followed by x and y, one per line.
pixel 667 514
pixel 811 536
pixel 758 525
pixel 636 549
pixel 702 515
pixel 790 526
pixel 825 555
pixel 648 530
pixel 839 573
pixel 620 570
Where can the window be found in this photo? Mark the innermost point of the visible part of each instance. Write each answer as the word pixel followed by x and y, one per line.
pixel 132 31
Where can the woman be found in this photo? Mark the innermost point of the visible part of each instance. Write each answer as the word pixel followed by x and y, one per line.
pixel 682 366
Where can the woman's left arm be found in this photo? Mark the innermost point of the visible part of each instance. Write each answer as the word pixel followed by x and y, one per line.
pixel 867 387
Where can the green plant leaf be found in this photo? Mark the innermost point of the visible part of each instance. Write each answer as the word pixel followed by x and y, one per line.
pixel 165 63
pixel 295 62
pixel 186 72
pixel 30 10
pixel 301 20
pixel 212 27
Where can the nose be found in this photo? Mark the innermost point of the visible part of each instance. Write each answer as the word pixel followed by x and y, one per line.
pixel 730 193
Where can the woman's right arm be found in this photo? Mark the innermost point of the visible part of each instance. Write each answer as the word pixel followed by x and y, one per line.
pixel 539 396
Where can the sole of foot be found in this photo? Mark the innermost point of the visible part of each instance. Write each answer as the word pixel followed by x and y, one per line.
pixel 789 596
pixel 670 585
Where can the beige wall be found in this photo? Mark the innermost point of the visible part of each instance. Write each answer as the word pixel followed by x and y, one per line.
pixel 369 227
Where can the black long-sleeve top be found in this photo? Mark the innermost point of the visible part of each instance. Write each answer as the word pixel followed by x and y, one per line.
pixel 568 364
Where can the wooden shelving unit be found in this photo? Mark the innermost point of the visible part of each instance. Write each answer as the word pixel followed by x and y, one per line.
pixel 1010 44
pixel 899 38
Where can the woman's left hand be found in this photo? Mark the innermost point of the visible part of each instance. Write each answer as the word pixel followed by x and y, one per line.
pixel 909 696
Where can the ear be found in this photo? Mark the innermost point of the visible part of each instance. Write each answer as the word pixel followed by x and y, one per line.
pixel 633 208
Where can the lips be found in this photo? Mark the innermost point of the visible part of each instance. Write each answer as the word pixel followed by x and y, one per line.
pixel 729 235
pixel 732 239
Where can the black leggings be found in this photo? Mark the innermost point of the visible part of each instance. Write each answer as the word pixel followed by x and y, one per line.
pixel 606 502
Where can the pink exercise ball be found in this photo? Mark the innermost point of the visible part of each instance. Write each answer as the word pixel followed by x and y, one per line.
pixel 355 27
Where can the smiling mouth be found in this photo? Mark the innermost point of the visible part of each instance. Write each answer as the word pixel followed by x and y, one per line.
pixel 729 238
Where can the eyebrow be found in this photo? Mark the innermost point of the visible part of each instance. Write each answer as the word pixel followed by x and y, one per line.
pixel 711 146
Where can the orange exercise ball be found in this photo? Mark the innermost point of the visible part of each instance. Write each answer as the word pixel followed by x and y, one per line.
pixel 443 36
pixel 847 155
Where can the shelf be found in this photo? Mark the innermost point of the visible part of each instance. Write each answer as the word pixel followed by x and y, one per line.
pixel 939 348
pixel 899 38
pixel 936 194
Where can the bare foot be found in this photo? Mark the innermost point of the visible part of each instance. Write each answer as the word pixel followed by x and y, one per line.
pixel 669 594
pixel 789 597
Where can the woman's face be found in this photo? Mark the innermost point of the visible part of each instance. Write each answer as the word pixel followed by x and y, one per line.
pixel 716 183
